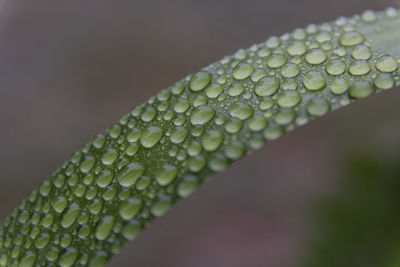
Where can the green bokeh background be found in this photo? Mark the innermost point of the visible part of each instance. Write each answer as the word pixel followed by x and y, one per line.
pixel 69 69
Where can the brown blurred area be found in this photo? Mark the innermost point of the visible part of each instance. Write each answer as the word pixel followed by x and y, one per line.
pixel 69 69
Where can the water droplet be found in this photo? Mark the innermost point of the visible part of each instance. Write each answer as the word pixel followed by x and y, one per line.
pixel 161 206
pixel 45 188
pixel 368 16
pixel 52 254
pixel 187 185
pixel 114 131
pixel 267 86
pixel 177 88
pixel 242 71
pixel 100 259
pixel 70 215
pixel 60 203
pixel 87 164
pixel 290 70
pixel 241 111
pixel 181 105
pixel 339 86
pixel 109 156
pixel 362 52
pixel 199 81
pixel 336 67
pixel 361 89
pixel 96 206
pixel 133 135
pixel 69 257
pixel 257 123
pixel 202 115
pixel 384 81
pixel 98 142
pixel 132 149
pixel 211 140
pixel 351 39
pixel 104 227
pixel 233 126
pixel 359 67
pixel 130 207
pixel 235 89
pixel 104 178
pixel 272 42
pixel 143 183
pixel 200 100
pixel 151 136
pixel 218 162
pixel 42 240
pixel 297 48
pixel 387 64
pixel 131 230
pixel 196 163
pixel 166 174
pixel 284 117
pixel 318 106
pixel 288 99
pixel 178 134
pixel 258 74
pixel 276 61
pixel 148 114
pixel 214 90
pixel 129 174
pixel 315 56
pixel 314 81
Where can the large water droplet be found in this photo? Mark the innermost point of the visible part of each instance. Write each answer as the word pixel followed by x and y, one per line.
pixel 161 206
pixel 289 98
pixel 166 174
pixel 339 86
pixel 361 89
pixel 87 164
pixel 336 67
pixel 70 215
pixel 181 105
pixel 104 178
pixel 242 71
pixel 267 86
pixel 318 106
pixel 387 64
pixel 104 227
pixel 109 156
pixel 130 207
pixel 214 90
pixel 235 89
pixel 202 115
pixel 276 61
pixel 290 70
pixel 178 134
pixel 351 39
pixel 151 136
pixel 129 174
pixel 211 140
pixel 69 257
pixel 241 111
pixel 359 67
pixel 199 81
pixel 315 56
pixel 314 81
pixel 28 260
pixel 187 185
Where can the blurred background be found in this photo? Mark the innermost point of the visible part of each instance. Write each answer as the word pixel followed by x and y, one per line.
pixel 323 195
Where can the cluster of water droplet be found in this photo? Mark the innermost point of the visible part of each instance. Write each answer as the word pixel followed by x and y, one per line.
pixel 160 152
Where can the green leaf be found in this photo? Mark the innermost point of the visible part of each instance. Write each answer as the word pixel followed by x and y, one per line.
pixel 162 150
